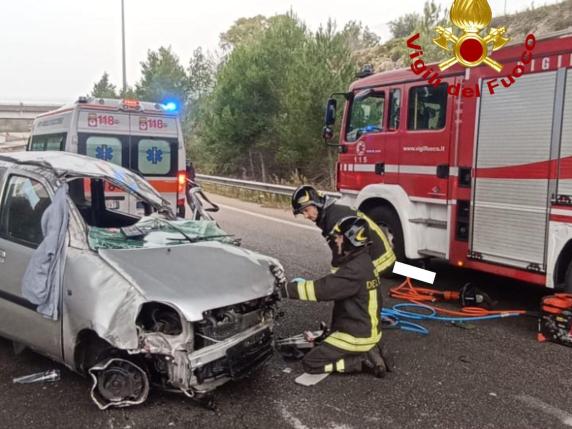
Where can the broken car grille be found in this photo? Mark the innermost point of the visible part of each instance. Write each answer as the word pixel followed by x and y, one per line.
pixel 241 360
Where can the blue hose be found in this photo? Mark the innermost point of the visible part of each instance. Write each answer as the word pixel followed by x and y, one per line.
pixel 396 314
pixel 389 317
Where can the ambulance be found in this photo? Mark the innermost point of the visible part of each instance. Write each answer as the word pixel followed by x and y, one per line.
pixel 142 136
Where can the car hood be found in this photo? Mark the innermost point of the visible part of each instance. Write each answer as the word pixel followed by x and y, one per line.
pixel 195 277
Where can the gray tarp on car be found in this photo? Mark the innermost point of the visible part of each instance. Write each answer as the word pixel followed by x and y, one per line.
pixel 41 283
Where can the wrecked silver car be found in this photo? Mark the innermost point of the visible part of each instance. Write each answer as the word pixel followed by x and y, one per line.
pixel 132 302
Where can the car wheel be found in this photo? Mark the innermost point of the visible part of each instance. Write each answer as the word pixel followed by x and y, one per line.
pixel 118 383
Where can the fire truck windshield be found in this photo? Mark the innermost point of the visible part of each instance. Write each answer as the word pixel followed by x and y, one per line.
pixel 366 115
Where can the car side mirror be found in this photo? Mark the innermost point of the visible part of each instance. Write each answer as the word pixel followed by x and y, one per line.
pixel 327 133
pixel 330 118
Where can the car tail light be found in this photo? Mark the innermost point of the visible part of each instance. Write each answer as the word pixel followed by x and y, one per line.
pixel 181 181
pixel 181 188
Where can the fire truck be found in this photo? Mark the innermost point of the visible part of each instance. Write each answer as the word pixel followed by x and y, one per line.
pixel 474 168
pixel 142 136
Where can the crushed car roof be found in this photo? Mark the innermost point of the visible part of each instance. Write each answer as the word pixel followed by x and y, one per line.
pixel 70 165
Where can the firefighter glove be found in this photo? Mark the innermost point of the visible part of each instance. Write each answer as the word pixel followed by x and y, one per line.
pixel 278 273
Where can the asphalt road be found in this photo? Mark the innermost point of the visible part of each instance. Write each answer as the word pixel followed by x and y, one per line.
pixel 490 374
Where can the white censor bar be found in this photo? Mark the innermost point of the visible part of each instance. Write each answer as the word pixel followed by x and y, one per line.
pixel 414 272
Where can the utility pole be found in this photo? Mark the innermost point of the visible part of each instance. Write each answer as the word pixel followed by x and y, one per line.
pixel 123 44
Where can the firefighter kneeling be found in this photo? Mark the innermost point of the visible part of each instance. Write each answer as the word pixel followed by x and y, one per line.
pixel 354 343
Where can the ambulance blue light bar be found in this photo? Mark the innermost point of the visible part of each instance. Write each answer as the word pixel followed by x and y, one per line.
pixel 170 106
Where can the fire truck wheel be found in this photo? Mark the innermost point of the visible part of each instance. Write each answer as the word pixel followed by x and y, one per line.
pixel 389 222
pixel 568 279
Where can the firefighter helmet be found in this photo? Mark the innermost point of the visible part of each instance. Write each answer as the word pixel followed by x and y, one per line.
pixel 355 231
pixel 305 196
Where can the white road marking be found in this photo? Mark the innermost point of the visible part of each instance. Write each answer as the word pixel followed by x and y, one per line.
pixel 285 222
pixel 414 272
pixel 562 415
pixel 291 419
pixel 368 419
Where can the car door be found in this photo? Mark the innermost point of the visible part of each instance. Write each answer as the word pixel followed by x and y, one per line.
pixel 24 199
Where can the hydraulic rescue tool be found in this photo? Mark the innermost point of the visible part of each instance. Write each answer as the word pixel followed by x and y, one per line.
pixel 555 322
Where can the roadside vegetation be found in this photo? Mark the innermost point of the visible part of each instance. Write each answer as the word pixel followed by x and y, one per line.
pixel 254 109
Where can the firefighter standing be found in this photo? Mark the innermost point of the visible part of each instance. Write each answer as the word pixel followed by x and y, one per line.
pixel 354 342
pixel 326 213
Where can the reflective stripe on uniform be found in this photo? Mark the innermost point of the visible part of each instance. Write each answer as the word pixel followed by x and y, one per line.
pixel 307 291
pixel 340 365
pixel 372 310
pixel 388 258
pixel 311 290
pixel 350 343
pixel 384 262
pixel 329 368
pixel 302 291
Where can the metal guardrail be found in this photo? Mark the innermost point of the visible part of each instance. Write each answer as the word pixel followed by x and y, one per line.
pixel 255 186
pixel 13 146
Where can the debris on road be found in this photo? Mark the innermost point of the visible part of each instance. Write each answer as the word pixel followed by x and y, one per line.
pixel 310 379
pixel 39 377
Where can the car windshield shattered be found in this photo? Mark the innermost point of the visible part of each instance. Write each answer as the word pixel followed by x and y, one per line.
pixel 156 232
pixel 120 219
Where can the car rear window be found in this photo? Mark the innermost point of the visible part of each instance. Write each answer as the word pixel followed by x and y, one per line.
pixel 105 147
pixel 48 142
pixel 154 157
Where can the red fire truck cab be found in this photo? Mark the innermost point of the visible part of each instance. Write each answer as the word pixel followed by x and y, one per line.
pixel 481 177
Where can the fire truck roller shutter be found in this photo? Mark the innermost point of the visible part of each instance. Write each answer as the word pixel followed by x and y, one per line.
pixel 565 181
pixel 565 173
pixel 512 169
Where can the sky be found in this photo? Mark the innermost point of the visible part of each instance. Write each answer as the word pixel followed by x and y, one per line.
pixel 54 50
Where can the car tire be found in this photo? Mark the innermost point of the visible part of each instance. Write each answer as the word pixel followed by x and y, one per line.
pixel 389 222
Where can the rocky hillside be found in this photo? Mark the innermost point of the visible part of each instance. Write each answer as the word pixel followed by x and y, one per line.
pixel 541 20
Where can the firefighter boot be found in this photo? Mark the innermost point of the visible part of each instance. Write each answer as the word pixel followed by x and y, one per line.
pixel 374 363
pixel 387 357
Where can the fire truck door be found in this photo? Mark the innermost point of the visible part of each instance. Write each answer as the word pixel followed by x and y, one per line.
pixel 512 170
pixel 394 129
pixel 362 162
pixel 424 154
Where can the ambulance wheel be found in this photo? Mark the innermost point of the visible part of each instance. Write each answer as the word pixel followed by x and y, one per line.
pixel 389 222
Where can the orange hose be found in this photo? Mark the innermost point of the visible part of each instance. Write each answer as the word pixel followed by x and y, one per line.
pixel 419 295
